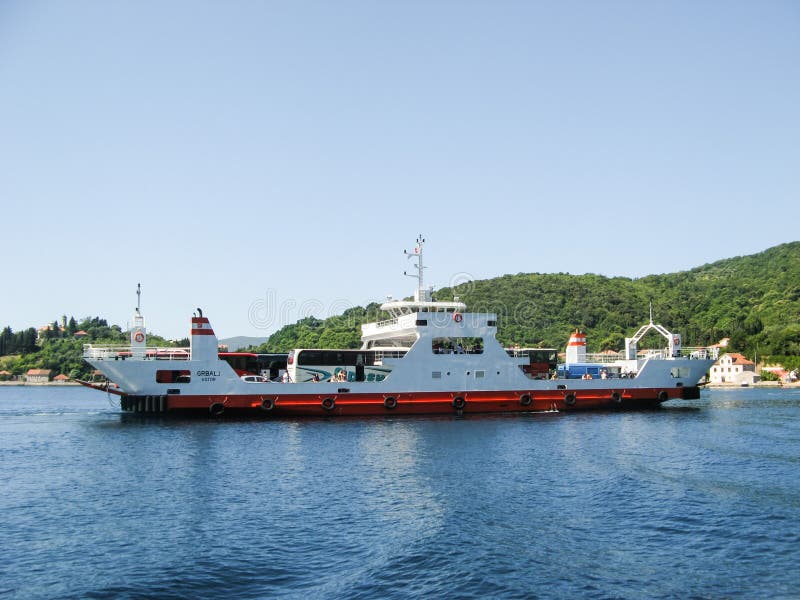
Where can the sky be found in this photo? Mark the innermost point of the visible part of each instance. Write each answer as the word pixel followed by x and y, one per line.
pixel 267 161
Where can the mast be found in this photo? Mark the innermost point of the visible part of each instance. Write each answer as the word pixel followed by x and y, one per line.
pixel 138 331
pixel 421 294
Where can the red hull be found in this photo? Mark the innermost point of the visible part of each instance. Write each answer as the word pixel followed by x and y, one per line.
pixel 418 403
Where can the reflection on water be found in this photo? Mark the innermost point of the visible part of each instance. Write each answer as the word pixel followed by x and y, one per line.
pixel 609 504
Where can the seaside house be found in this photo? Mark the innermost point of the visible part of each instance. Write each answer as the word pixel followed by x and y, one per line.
pixel 734 369
pixel 61 378
pixel 38 376
pixel 5 375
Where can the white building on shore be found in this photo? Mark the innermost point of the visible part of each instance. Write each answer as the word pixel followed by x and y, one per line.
pixel 734 369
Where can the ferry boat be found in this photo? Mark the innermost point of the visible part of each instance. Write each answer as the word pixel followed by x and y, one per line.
pixel 429 357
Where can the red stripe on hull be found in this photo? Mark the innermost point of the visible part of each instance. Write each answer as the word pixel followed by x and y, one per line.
pixel 416 403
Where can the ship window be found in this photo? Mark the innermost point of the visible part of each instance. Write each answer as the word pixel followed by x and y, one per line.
pixel 679 372
pixel 457 345
pixel 166 376
pixel 491 323
pixel 422 322
pixel 436 374
pixel 480 374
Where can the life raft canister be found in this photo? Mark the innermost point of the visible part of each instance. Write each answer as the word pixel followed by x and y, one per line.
pixel 458 317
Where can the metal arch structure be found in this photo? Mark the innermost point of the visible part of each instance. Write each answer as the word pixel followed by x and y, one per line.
pixel 673 339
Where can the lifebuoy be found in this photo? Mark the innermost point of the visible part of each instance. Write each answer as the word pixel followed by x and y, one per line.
pixel 267 404
pixel 216 409
pixel 525 400
pixel 569 399
pixel 663 396
pixel 390 402
pixel 459 403
pixel 457 317
pixel 138 337
pixel 616 398
pixel 328 403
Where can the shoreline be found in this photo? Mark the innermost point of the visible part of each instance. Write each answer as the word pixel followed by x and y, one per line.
pixel 47 384
pixel 760 384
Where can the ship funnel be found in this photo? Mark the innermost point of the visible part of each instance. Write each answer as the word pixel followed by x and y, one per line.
pixel 204 344
pixel 576 348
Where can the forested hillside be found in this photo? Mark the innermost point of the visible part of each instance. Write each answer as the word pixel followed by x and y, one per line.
pixel 754 300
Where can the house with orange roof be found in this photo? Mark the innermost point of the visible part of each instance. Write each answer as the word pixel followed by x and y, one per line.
pixel 38 375
pixel 61 378
pixel 734 369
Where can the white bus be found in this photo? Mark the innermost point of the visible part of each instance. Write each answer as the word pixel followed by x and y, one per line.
pixel 340 365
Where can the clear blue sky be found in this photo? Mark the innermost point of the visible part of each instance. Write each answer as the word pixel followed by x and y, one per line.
pixel 228 153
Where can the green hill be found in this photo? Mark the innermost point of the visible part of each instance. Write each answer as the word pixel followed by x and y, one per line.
pixel 753 300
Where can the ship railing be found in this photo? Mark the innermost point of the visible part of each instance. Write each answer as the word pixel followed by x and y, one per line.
pixel 384 323
pixel 110 352
pixel 655 354
pixel 381 354
pixel 602 358
pixel 700 352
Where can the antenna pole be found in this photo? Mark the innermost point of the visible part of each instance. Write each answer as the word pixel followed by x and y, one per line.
pixel 419 266
pixel 138 296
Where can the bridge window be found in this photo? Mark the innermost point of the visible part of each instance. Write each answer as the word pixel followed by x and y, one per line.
pixel 457 345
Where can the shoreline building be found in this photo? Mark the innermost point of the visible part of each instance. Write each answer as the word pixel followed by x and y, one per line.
pixel 734 369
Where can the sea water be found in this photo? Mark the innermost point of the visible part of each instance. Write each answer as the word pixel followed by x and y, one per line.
pixel 698 499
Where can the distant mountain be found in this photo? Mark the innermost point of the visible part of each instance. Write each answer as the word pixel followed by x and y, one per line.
pixel 242 341
pixel 753 300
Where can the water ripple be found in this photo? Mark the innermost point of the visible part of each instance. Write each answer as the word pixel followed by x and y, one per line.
pixel 700 499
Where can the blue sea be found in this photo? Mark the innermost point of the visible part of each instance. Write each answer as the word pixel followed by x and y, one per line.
pixel 698 499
